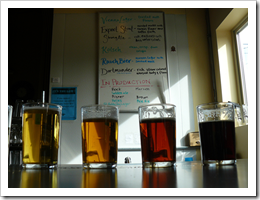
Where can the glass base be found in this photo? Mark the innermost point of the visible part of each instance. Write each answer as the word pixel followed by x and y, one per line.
pixel 219 162
pixel 38 166
pixel 99 165
pixel 158 164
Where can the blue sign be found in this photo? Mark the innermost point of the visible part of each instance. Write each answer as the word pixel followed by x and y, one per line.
pixel 67 98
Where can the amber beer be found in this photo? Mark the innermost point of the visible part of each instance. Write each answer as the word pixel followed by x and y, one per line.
pixel 41 128
pixel 158 138
pixel 158 135
pixel 99 140
pixel 99 128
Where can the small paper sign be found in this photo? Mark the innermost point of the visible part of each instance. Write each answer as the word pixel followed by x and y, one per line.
pixel 67 98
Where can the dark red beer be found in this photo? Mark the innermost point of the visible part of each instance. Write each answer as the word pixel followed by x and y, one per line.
pixel 218 140
pixel 158 138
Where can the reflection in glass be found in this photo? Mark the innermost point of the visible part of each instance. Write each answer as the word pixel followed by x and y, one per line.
pixel 35 178
pixel 220 176
pixel 14 176
pixel 159 177
pixel 99 178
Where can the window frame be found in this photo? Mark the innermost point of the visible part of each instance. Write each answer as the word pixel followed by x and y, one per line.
pixel 242 91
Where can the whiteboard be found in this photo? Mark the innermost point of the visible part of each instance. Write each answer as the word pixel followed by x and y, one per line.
pixel 132 59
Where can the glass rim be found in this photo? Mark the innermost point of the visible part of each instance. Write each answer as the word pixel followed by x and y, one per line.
pixel 214 103
pixel 41 103
pixel 157 104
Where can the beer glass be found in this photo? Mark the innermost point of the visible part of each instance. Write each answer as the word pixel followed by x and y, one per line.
pixel 158 135
pixel 217 133
pixel 99 128
pixel 10 112
pixel 41 125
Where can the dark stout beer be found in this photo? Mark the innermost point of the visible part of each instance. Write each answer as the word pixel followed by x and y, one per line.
pixel 218 140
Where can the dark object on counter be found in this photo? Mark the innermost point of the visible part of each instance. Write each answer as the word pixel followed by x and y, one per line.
pixel 128 160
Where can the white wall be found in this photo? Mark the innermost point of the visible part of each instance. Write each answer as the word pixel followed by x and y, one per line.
pixel 74 60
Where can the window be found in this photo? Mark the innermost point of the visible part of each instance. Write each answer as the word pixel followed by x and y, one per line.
pixel 241 36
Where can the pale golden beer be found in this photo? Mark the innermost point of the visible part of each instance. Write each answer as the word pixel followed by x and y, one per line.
pixel 41 128
pixel 99 137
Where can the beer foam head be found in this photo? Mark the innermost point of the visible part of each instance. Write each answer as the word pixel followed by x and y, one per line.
pixel 228 120
pixel 41 106
pixel 99 112
pixel 40 109
pixel 159 119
